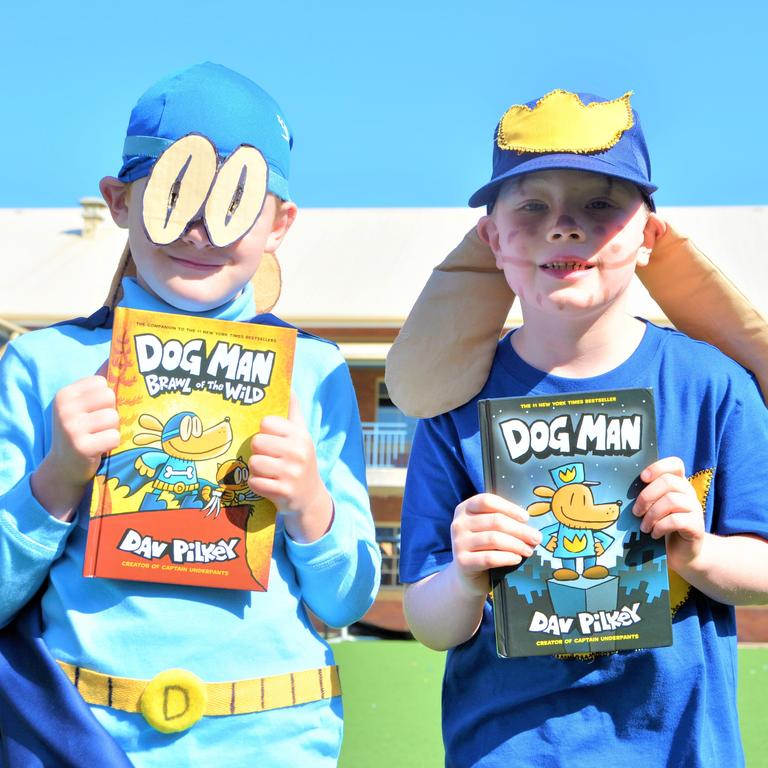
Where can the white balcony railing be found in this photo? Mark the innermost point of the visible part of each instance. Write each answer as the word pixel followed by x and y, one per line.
pixel 385 444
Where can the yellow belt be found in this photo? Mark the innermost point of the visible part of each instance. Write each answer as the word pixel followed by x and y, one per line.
pixel 178 487
pixel 176 699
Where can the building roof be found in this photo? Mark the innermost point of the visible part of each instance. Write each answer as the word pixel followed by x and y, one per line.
pixel 358 267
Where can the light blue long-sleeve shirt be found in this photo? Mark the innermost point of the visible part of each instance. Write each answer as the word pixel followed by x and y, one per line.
pixel 133 629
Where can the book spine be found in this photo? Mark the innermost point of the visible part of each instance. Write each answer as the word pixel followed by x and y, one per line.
pixel 489 481
pixel 92 546
pixel 101 489
pixel 486 443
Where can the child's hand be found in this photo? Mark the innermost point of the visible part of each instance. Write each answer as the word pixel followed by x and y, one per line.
pixel 669 507
pixel 489 532
pixel 283 469
pixel 85 427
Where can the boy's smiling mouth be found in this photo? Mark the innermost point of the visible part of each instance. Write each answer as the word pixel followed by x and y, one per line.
pixel 202 266
pixel 564 266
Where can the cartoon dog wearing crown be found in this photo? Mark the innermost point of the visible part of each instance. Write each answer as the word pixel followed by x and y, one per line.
pixel 581 523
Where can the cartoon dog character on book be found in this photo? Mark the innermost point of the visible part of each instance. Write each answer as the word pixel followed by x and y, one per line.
pixel 168 459
pixel 581 523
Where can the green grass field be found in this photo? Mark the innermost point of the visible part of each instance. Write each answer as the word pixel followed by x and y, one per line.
pixel 392 704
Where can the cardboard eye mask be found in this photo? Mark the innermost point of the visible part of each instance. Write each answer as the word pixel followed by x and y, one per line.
pixel 188 178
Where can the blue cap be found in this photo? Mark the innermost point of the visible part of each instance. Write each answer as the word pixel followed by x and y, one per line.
pixel 217 102
pixel 570 473
pixel 562 131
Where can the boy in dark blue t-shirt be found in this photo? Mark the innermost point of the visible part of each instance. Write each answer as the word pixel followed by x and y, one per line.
pixel 571 216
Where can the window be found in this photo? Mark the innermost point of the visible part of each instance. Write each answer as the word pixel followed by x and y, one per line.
pixel 388 413
pixel 388 538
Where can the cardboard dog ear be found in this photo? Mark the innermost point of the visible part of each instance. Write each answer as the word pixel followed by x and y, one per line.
pixel 125 268
pixel 443 353
pixel 702 302
pixel 267 283
pixel 451 333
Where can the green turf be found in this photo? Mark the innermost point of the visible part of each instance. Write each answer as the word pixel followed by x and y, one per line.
pixel 753 706
pixel 392 704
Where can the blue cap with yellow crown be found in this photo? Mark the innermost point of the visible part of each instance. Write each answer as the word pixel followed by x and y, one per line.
pixel 570 473
pixel 564 130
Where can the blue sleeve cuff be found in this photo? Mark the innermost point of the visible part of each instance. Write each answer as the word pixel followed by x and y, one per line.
pixel 324 553
pixel 30 523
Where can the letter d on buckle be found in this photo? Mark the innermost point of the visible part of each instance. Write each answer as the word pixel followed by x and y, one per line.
pixel 173 700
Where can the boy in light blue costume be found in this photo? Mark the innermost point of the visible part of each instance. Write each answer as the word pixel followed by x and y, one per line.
pixel 57 419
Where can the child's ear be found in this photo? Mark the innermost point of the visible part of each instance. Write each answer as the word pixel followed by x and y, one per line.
pixel 116 195
pixel 285 215
pixel 653 230
pixel 489 233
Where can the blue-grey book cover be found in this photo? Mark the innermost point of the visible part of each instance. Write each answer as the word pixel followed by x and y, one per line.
pixel 596 583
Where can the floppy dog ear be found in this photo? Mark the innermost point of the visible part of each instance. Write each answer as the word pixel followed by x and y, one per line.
pixel 267 283
pixel 702 302
pixel 452 330
pixel 539 508
pixel 450 333
pixel 125 268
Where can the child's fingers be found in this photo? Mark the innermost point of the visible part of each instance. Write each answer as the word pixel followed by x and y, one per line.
pixel 499 541
pixel 292 446
pixel 295 415
pixel 661 486
pixel 473 562
pixel 276 425
pixel 485 503
pixel 670 465
pixel 101 420
pixel 96 444
pixel 498 522
pixel 672 503
pixel 87 385
pixel 684 524
pixel 265 466
pixel 87 395
pixel 270 488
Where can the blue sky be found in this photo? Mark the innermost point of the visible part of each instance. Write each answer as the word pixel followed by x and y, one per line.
pixel 392 104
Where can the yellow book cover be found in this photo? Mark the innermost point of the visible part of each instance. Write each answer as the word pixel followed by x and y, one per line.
pixel 171 503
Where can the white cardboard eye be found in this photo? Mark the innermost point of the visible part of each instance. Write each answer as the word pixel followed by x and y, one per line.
pixel 237 197
pixel 177 187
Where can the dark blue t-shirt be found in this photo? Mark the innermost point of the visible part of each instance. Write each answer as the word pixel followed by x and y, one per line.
pixel 672 706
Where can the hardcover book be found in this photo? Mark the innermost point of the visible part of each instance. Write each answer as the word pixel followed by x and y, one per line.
pixel 172 503
pixel 596 583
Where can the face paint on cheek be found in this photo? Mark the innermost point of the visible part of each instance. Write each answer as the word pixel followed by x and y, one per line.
pixel 531 230
pixel 512 234
pixel 515 261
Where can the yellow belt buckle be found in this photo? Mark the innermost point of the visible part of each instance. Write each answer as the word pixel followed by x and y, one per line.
pixel 179 487
pixel 173 700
